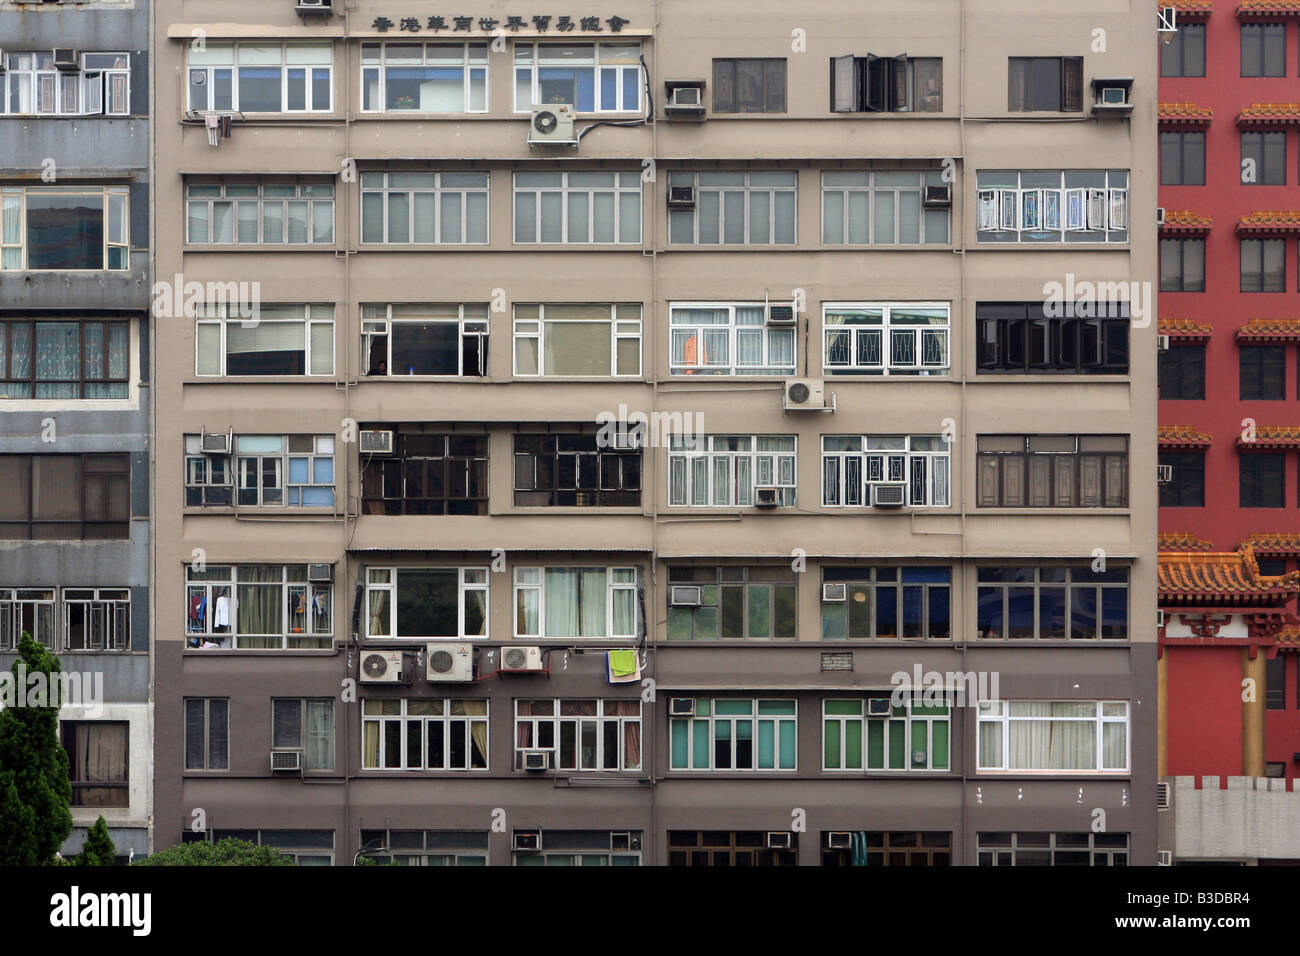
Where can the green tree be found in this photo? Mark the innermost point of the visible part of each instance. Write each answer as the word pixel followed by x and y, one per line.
pixel 227 852
pixel 99 849
pixel 34 787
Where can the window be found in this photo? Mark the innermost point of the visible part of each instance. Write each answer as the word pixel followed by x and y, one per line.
pixel 854 465
pixel 1059 735
pixel 756 209
pixel 728 848
pixel 1017 338
pixel 424 733
pixel 27 611
pixel 76 359
pixel 576 602
pixel 728 338
pixel 861 207
pixel 1185 54
pixel 1182 158
pixel 31 84
pixel 595 734
pixel 424 77
pixel 304 847
pixel 590 77
pixel 64 228
pixel 271 471
pixel 1045 84
pixel 262 76
pixel 207 733
pixel 1052 603
pixel 1047 205
pixel 282 340
pixel 912 736
pixel 1261 479
pixel 257 607
pixel 891 848
pixel 1052 471
pixel 426 602
pixel 585 848
pixel 1263 265
pixel 557 470
pixel 860 604
pixel 1182 372
pixel 728 734
pixel 96 619
pixel 856 337
pixel 431 473
pixel 1053 849
pixel 306 725
pixel 749 86
pixel 734 602
pixel 1263 49
pixel 898 84
pixel 424 208
pixel 1275 683
pixel 575 208
pixel 578 340
pixel 427 847
pixel 1182 265
pixel 98 764
pixel 1263 158
pixel 259 214
pixel 1262 372
pixel 1186 489
pixel 712 470
pixel 65 497
pixel 425 339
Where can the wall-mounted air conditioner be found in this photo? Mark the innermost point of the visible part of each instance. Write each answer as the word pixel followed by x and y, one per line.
pixel 386 667
pixel 878 706
pixel 552 125
pixel 1112 96
pixel 376 442
pixel 286 761
pixel 804 395
pixel 66 59
pixel 834 592
pixel 767 496
pixel 684 596
pixel 937 196
pixel 526 840
pixel 780 313
pixel 889 494
pixel 521 659
pixel 684 99
pixel 320 573
pixel 681 707
pixel 313 7
pixel 215 443
pixel 537 760
pixel 449 663
pixel 681 197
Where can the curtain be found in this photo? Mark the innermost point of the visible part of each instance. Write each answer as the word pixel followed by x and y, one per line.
pixel 320 735
pixel 1018 85
pixel 624 602
pixel 99 755
pixel 478 729
pixel 562 602
pixel 258 609
pixel 370 744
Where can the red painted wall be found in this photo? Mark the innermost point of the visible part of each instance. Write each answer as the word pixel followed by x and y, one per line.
pixel 1204 710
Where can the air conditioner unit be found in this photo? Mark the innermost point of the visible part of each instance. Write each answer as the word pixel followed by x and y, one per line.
pixel 1160 215
pixel 385 667
pixel 65 59
pixel 1162 343
pixel 681 707
pixel 215 443
pixel 1164 857
pixel 839 840
pixel 1162 795
pixel 804 395
pixel 449 663
pixel 1112 95
pixel 681 197
pixel 521 659
pixel 889 494
pixel 286 760
pixel 767 497
pixel 320 573
pixel 318 7
pixel 526 841
pixel 878 707
pixel 780 313
pixel 684 596
pixel 551 125
pixel 376 442
pixel 937 196
pixel 779 839
pixel 537 760
pixel 834 592
pixel 1164 474
pixel 684 98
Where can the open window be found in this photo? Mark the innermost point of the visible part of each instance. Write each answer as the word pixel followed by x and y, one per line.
pixel 876 84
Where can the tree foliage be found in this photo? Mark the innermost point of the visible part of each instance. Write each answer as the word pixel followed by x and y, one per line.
pixel 98 849
pixel 227 852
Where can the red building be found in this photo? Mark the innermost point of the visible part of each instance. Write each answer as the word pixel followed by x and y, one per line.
pixel 1230 404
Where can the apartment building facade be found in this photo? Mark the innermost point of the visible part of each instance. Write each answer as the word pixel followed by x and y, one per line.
pixel 419 599
pixel 74 387
pixel 1228 521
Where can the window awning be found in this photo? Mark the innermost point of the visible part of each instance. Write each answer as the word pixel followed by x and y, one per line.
pixel 1221 577
pixel 1269 330
pixel 1181 115
pixel 1267 9
pixel 1259 115
pixel 1271 438
pixel 1185 223
pixel 1174 437
pixel 1271 222
pixel 1186 330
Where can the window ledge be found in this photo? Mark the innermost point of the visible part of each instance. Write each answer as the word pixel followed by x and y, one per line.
pixel 253 652
pixel 257 511
pixel 575 510
pixel 984 245
pixel 1028 512
pixel 1050 378
pixel 262 247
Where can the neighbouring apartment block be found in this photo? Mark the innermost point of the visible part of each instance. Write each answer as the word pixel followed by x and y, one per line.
pixel 1229 526
pixel 74 387
pixel 569 425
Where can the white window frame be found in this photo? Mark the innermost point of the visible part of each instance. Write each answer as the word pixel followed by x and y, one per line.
pixel 747 189
pixel 205 62
pixel 600 719
pixel 883 462
pixel 235 195
pixel 523 587
pixel 12 601
pixel 685 451
pixel 872 192
pixel 377 182
pixel 619 188
pixel 533 61
pixel 474 66
pixel 90 91
pixel 997 713
pixel 314 592
pixel 474 326
pixel 887 332
pixel 244 463
pixel 733 330
pixel 1087 210
pixel 116 226
pixel 909 720
pixel 215 318
pixel 713 718
pixel 620 330
pixel 445 718
pixel 469 580
pixel 112 609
